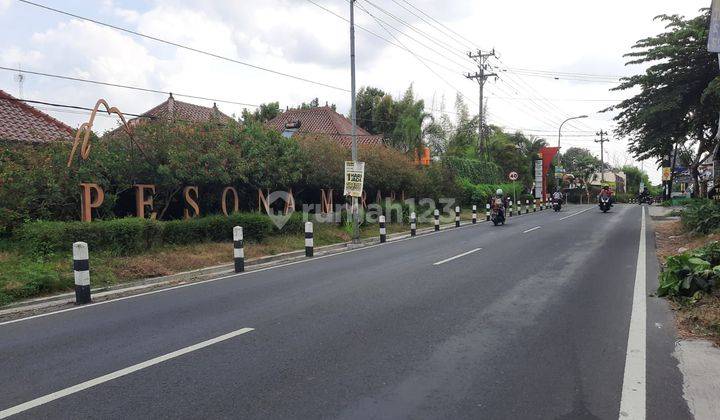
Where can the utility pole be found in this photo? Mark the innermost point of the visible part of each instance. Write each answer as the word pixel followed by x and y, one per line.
pixel 602 140
pixel 355 212
pixel 481 76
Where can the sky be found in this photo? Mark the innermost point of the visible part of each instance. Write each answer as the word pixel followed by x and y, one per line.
pixel 297 37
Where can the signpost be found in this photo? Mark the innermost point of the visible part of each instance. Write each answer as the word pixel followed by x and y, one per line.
pixel 354 177
pixel 513 177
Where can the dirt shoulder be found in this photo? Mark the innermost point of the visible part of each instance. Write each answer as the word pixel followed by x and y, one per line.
pixel 695 319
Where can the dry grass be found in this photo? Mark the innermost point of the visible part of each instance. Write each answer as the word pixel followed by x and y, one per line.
pixel 672 239
pixel 170 260
pixel 700 319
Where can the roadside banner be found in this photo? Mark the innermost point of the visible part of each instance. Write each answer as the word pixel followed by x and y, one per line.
pixel 538 177
pixel 354 177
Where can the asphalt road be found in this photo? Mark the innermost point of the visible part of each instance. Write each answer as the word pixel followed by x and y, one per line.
pixel 527 320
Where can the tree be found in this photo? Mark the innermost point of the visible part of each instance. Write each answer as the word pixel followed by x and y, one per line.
pixel 366 101
pixel 633 177
pixel 265 112
pixel 679 92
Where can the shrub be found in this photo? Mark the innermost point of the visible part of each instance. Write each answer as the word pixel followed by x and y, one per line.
pixel 701 216
pixel 477 171
pixel 133 236
pixel 119 236
pixel 691 272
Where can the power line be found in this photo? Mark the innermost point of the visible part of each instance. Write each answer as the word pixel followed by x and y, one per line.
pixel 130 87
pixel 420 32
pixel 418 58
pixel 375 34
pixel 82 108
pixel 185 47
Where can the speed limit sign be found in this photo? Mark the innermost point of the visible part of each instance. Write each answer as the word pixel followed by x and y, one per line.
pixel 513 176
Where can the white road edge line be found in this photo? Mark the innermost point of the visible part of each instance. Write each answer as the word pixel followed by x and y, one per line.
pixel 576 213
pixel 117 374
pixel 632 401
pixel 530 230
pixel 457 256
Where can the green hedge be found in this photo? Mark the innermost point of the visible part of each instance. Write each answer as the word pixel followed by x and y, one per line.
pixel 133 236
pixel 481 193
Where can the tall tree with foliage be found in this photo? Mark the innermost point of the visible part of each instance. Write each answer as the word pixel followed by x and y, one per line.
pixel 367 100
pixel 679 93
pixel 263 113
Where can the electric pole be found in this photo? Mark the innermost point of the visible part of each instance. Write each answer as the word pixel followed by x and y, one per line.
pixel 355 210
pixel 481 76
pixel 602 140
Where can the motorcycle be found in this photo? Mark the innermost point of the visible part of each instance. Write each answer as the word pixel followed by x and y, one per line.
pixel 645 200
pixel 604 203
pixel 556 204
pixel 497 215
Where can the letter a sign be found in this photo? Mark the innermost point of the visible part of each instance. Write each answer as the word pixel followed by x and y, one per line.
pixel 354 176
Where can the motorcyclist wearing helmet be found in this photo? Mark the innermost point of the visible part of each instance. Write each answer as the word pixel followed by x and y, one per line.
pixel 498 202
pixel 557 195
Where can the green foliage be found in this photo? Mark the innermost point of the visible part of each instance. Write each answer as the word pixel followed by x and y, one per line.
pixel 679 93
pixel 132 235
pixel 701 216
pixel 633 177
pixel 265 112
pixel 480 194
pixel 476 171
pixel 691 272
pixel 28 277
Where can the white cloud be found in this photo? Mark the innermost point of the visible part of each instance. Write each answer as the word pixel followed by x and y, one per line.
pixel 296 37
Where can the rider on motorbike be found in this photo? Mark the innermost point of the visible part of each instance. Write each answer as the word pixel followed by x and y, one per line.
pixel 498 202
pixel 606 192
pixel 557 196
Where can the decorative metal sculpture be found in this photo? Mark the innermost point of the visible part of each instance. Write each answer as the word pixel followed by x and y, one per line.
pixel 86 128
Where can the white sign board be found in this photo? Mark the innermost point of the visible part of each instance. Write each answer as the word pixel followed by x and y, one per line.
pixel 513 176
pixel 354 177
pixel 714 32
pixel 538 178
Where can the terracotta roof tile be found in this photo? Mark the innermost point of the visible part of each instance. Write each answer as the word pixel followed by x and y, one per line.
pixel 21 122
pixel 175 110
pixel 323 120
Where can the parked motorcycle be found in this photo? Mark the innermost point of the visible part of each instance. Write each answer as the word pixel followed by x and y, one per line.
pixel 556 205
pixel 645 200
pixel 497 215
pixel 604 203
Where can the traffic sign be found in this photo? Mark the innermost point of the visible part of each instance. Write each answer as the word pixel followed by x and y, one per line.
pixel 513 176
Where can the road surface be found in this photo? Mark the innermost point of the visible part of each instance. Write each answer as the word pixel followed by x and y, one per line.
pixel 527 320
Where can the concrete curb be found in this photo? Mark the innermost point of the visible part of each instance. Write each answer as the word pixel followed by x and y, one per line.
pixel 43 304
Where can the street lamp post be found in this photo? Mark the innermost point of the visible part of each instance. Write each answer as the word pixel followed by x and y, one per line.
pixel 559 135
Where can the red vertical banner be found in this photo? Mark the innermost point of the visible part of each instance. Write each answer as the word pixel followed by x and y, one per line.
pixel 548 154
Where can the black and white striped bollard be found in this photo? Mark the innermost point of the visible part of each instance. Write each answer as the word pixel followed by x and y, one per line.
pixel 383 232
pixel 413 224
pixel 457 216
pixel 487 212
pixel 238 250
pixel 534 206
pixel 510 214
pixel 519 208
pixel 527 206
pixel 542 206
pixel 437 219
pixel 309 239
pixel 474 214
pixel 81 267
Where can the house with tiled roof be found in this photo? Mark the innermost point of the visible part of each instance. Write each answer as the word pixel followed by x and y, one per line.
pixel 173 110
pixel 321 120
pixel 20 122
